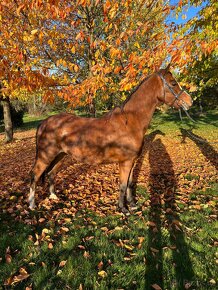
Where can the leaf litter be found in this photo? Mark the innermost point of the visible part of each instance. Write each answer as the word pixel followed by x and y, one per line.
pixel 82 187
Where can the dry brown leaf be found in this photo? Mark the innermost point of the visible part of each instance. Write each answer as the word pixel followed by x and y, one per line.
pixel 86 255
pixel 156 287
pixel 150 223
pixel 65 229
pixel 17 278
pixel 100 265
pixel 62 263
pixel 154 250
pixel 50 246
pixel 8 258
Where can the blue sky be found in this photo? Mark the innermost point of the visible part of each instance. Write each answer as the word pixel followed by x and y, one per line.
pixel 190 13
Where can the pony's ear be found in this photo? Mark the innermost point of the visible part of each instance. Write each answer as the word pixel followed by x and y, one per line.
pixel 167 68
pixel 156 68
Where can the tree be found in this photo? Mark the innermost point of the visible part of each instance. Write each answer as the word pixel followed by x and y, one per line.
pixel 88 52
pixel 197 41
pixel 7 120
pixel 17 72
pixel 80 50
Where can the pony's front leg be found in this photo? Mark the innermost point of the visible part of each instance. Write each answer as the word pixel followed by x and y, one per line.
pixel 31 197
pixel 125 171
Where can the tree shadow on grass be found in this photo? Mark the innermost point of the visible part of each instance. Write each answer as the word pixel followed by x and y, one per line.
pixel 207 150
pixel 163 216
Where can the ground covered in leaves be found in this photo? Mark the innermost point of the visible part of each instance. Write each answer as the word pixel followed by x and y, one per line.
pixel 81 242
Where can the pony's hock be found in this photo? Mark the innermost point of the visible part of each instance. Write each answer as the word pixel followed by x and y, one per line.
pixel 116 137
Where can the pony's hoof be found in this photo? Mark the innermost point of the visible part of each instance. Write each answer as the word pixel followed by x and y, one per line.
pixel 133 207
pixel 53 196
pixel 32 206
pixel 124 211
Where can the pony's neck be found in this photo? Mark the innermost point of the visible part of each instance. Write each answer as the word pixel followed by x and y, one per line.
pixel 143 102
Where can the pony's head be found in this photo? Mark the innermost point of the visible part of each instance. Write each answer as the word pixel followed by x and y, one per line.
pixel 172 94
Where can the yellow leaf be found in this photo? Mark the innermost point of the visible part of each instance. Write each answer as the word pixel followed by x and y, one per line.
pixel 136 44
pixel 73 49
pixel 76 68
pixel 128 247
pixel 45 231
pixel 102 274
pixel 118 228
pixel 23 271
pixel 193 88
pixel 34 31
pixel 50 42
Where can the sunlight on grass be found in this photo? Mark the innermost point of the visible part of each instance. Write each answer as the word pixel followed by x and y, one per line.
pixel 114 252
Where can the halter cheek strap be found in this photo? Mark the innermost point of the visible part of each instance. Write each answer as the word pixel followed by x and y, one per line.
pixel 171 90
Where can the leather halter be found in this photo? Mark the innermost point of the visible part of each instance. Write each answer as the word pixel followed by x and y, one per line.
pixel 171 90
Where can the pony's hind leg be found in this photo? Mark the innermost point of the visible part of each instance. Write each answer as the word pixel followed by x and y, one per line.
pixel 36 173
pixel 31 197
pixel 51 171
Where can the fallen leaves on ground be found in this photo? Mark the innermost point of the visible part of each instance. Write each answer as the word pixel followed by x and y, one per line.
pixel 175 175
pixel 181 169
pixel 22 275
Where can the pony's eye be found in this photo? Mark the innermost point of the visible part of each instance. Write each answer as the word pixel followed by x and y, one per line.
pixel 173 84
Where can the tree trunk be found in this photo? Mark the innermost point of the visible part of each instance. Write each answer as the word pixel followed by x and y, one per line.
pixel 91 58
pixel 7 120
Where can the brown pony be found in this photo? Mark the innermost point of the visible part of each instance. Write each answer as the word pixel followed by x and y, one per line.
pixel 116 137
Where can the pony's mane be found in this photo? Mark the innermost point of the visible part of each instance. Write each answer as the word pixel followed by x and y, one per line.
pixel 121 107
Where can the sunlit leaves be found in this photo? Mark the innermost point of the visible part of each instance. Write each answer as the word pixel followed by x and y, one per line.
pixel 89 41
pixel 104 47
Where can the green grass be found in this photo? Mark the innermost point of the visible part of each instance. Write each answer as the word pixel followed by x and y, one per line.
pixel 132 254
pixel 170 122
pixel 32 122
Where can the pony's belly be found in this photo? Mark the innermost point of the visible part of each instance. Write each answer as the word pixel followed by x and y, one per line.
pixel 99 155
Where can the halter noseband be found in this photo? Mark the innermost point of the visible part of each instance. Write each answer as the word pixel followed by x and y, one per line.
pixel 171 90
